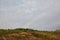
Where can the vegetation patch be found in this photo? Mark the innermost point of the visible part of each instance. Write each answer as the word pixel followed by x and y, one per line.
pixel 28 34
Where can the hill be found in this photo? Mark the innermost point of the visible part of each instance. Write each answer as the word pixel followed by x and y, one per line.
pixel 28 34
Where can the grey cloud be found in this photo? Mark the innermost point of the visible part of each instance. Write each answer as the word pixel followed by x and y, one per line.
pixel 36 14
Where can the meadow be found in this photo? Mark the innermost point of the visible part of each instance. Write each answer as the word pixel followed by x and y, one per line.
pixel 28 34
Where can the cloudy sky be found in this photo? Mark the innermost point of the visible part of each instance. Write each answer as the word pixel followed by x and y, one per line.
pixel 35 14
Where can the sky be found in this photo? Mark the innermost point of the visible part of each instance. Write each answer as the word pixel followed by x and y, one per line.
pixel 33 14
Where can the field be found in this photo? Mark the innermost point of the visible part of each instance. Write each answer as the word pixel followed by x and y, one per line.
pixel 28 34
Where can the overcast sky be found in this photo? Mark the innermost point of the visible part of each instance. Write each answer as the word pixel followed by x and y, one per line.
pixel 35 14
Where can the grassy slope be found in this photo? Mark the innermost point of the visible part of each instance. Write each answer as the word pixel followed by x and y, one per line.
pixel 28 34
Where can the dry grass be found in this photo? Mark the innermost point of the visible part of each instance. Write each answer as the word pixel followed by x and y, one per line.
pixel 28 34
